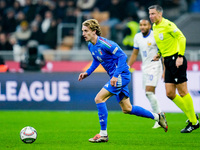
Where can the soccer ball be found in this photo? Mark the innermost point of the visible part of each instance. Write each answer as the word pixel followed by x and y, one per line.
pixel 28 134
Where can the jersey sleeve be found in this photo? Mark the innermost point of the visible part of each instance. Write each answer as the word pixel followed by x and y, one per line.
pixel 94 65
pixel 122 57
pixel 176 33
pixel 136 45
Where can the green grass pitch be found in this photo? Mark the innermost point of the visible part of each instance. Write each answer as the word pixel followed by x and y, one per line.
pixel 63 130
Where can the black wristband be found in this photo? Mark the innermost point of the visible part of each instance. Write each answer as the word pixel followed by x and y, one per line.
pixel 180 55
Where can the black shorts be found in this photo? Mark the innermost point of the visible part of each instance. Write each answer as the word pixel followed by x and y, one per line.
pixel 172 73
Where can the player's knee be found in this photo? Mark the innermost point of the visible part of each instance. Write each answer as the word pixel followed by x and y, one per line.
pixel 126 110
pixel 148 94
pixel 171 95
pixel 183 93
pixel 126 106
pixel 98 100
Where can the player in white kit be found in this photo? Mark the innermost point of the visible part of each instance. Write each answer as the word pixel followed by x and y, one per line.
pixel 152 70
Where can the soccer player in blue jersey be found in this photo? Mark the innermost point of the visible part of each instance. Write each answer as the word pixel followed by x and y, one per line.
pixel 113 59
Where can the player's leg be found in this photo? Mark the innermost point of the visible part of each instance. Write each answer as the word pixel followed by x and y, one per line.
pixel 183 91
pixel 193 122
pixel 127 108
pixel 150 94
pixel 100 100
pixel 124 101
pixel 104 94
pixel 151 76
pixel 182 103
pixel 171 94
pixel 173 75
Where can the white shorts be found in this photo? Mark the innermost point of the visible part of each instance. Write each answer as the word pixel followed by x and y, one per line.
pixel 151 76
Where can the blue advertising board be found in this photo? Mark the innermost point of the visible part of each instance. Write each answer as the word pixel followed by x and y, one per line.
pixel 52 91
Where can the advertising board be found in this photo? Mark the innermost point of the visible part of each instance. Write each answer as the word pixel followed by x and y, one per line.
pixel 52 91
pixel 166 104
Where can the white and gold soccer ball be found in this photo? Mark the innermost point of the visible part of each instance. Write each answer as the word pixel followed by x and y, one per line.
pixel 28 134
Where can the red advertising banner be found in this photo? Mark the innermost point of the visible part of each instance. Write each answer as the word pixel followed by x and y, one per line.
pixel 79 66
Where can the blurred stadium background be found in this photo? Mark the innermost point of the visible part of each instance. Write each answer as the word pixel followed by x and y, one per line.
pixel 42 50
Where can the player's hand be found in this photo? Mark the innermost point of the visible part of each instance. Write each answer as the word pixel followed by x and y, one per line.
pixel 156 57
pixel 131 70
pixel 82 76
pixel 113 81
pixel 179 62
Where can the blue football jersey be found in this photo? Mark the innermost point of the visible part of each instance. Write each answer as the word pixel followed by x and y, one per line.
pixel 109 55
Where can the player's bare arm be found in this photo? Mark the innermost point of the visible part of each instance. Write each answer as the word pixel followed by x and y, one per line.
pixel 82 76
pixel 133 57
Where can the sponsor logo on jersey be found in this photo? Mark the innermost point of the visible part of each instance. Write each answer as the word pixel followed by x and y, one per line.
pixel 99 58
pixel 115 50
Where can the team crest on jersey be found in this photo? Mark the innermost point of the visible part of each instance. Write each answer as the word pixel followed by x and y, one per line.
pixel 100 52
pixel 149 43
pixel 161 37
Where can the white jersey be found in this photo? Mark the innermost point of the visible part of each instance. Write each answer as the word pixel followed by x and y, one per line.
pixel 148 49
pixel 152 70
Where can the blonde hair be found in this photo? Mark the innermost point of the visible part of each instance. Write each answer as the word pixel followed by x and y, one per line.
pixel 93 25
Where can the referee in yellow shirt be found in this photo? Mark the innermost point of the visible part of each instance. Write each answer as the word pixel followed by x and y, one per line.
pixel 171 43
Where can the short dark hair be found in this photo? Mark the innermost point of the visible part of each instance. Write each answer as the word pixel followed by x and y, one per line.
pixel 145 20
pixel 157 7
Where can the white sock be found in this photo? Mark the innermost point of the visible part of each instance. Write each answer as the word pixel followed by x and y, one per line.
pixel 103 133
pixel 156 116
pixel 153 101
